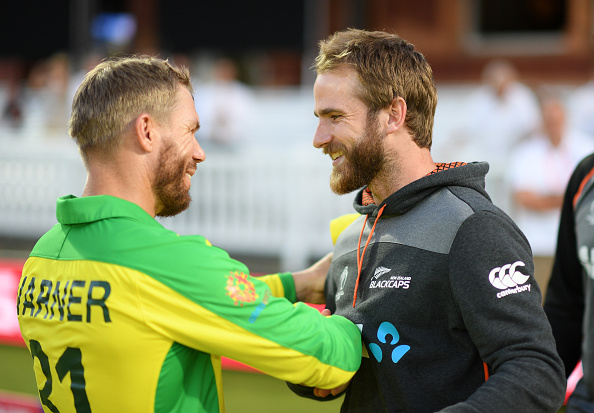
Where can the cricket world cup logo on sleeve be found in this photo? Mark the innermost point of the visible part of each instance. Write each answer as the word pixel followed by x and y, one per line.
pixel 509 279
pixel 240 288
pixel 342 281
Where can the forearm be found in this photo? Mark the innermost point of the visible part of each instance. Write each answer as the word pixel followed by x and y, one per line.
pixel 531 200
pixel 309 283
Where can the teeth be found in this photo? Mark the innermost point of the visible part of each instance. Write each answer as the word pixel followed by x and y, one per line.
pixel 335 155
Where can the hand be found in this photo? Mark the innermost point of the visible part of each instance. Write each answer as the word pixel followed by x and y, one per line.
pixel 335 391
pixel 309 283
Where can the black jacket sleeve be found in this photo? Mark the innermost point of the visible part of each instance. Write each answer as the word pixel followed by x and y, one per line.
pixel 308 393
pixel 507 325
pixel 564 301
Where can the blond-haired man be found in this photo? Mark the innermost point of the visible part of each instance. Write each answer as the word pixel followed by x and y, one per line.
pixel 122 315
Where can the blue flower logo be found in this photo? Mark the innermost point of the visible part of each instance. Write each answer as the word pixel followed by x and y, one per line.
pixel 387 329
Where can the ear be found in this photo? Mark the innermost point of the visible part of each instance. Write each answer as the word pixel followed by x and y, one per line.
pixel 397 114
pixel 145 132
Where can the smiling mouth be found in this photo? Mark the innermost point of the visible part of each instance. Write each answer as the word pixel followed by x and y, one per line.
pixel 191 170
pixel 336 155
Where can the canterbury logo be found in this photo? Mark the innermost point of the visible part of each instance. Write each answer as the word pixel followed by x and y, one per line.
pixel 507 276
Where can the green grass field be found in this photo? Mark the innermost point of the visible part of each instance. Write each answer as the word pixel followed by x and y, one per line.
pixel 244 392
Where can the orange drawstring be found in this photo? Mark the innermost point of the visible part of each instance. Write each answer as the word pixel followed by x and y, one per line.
pixel 360 258
pixel 486 368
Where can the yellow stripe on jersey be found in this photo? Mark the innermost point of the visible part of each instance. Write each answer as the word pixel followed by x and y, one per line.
pixel 124 326
pixel 275 284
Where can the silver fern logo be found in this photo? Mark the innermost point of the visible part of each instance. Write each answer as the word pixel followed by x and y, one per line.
pixel 379 271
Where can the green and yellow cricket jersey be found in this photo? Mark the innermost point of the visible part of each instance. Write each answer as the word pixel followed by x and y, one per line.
pixel 123 315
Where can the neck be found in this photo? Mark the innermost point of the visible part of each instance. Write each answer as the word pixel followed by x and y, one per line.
pixel 401 172
pixel 127 182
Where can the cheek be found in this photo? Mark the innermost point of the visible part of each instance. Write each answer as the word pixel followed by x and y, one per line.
pixel 189 145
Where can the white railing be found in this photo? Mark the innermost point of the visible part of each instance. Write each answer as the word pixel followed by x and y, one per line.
pixel 32 176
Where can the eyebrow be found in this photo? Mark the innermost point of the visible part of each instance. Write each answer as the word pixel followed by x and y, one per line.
pixel 327 111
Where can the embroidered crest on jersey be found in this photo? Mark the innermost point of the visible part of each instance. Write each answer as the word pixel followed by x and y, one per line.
pixel 240 289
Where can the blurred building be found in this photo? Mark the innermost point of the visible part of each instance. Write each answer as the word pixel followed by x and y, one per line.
pixel 547 40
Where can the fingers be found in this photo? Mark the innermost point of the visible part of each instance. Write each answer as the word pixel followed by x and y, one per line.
pixel 334 392
pixel 339 389
pixel 321 392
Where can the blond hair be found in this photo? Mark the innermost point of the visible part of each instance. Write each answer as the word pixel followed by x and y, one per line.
pixel 116 92
pixel 388 67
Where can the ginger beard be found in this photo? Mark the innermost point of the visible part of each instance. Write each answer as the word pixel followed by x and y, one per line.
pixel 172 197
pixel 363 161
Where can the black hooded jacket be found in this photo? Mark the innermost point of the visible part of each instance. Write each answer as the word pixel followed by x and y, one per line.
pixel 446 301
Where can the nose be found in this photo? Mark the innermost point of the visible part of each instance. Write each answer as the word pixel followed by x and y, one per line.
pixel 322 137
pixel 198 155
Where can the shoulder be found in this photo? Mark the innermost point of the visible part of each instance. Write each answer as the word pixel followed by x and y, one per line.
pixel 338 225
pixel 585 165
pixel 582 178
pixel 490 232
pixel 582 173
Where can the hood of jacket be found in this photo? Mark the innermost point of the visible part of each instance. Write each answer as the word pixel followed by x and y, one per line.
pixel 471 175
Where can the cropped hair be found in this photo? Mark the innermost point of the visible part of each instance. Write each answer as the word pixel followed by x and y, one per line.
pixel 116 92
pixel 388 67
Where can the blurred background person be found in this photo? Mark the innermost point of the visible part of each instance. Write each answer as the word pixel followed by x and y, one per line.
pixel 499 114
pixel 581 107
pixel 224 105
pixel 45 98
pixel 12 109
pixel 55 92
pixel 538 172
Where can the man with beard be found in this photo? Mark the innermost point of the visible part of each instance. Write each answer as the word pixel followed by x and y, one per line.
pixel 438 279
pixel 136 316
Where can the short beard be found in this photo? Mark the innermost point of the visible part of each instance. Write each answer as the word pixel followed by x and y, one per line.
pixel 363 162
pixel 168 187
